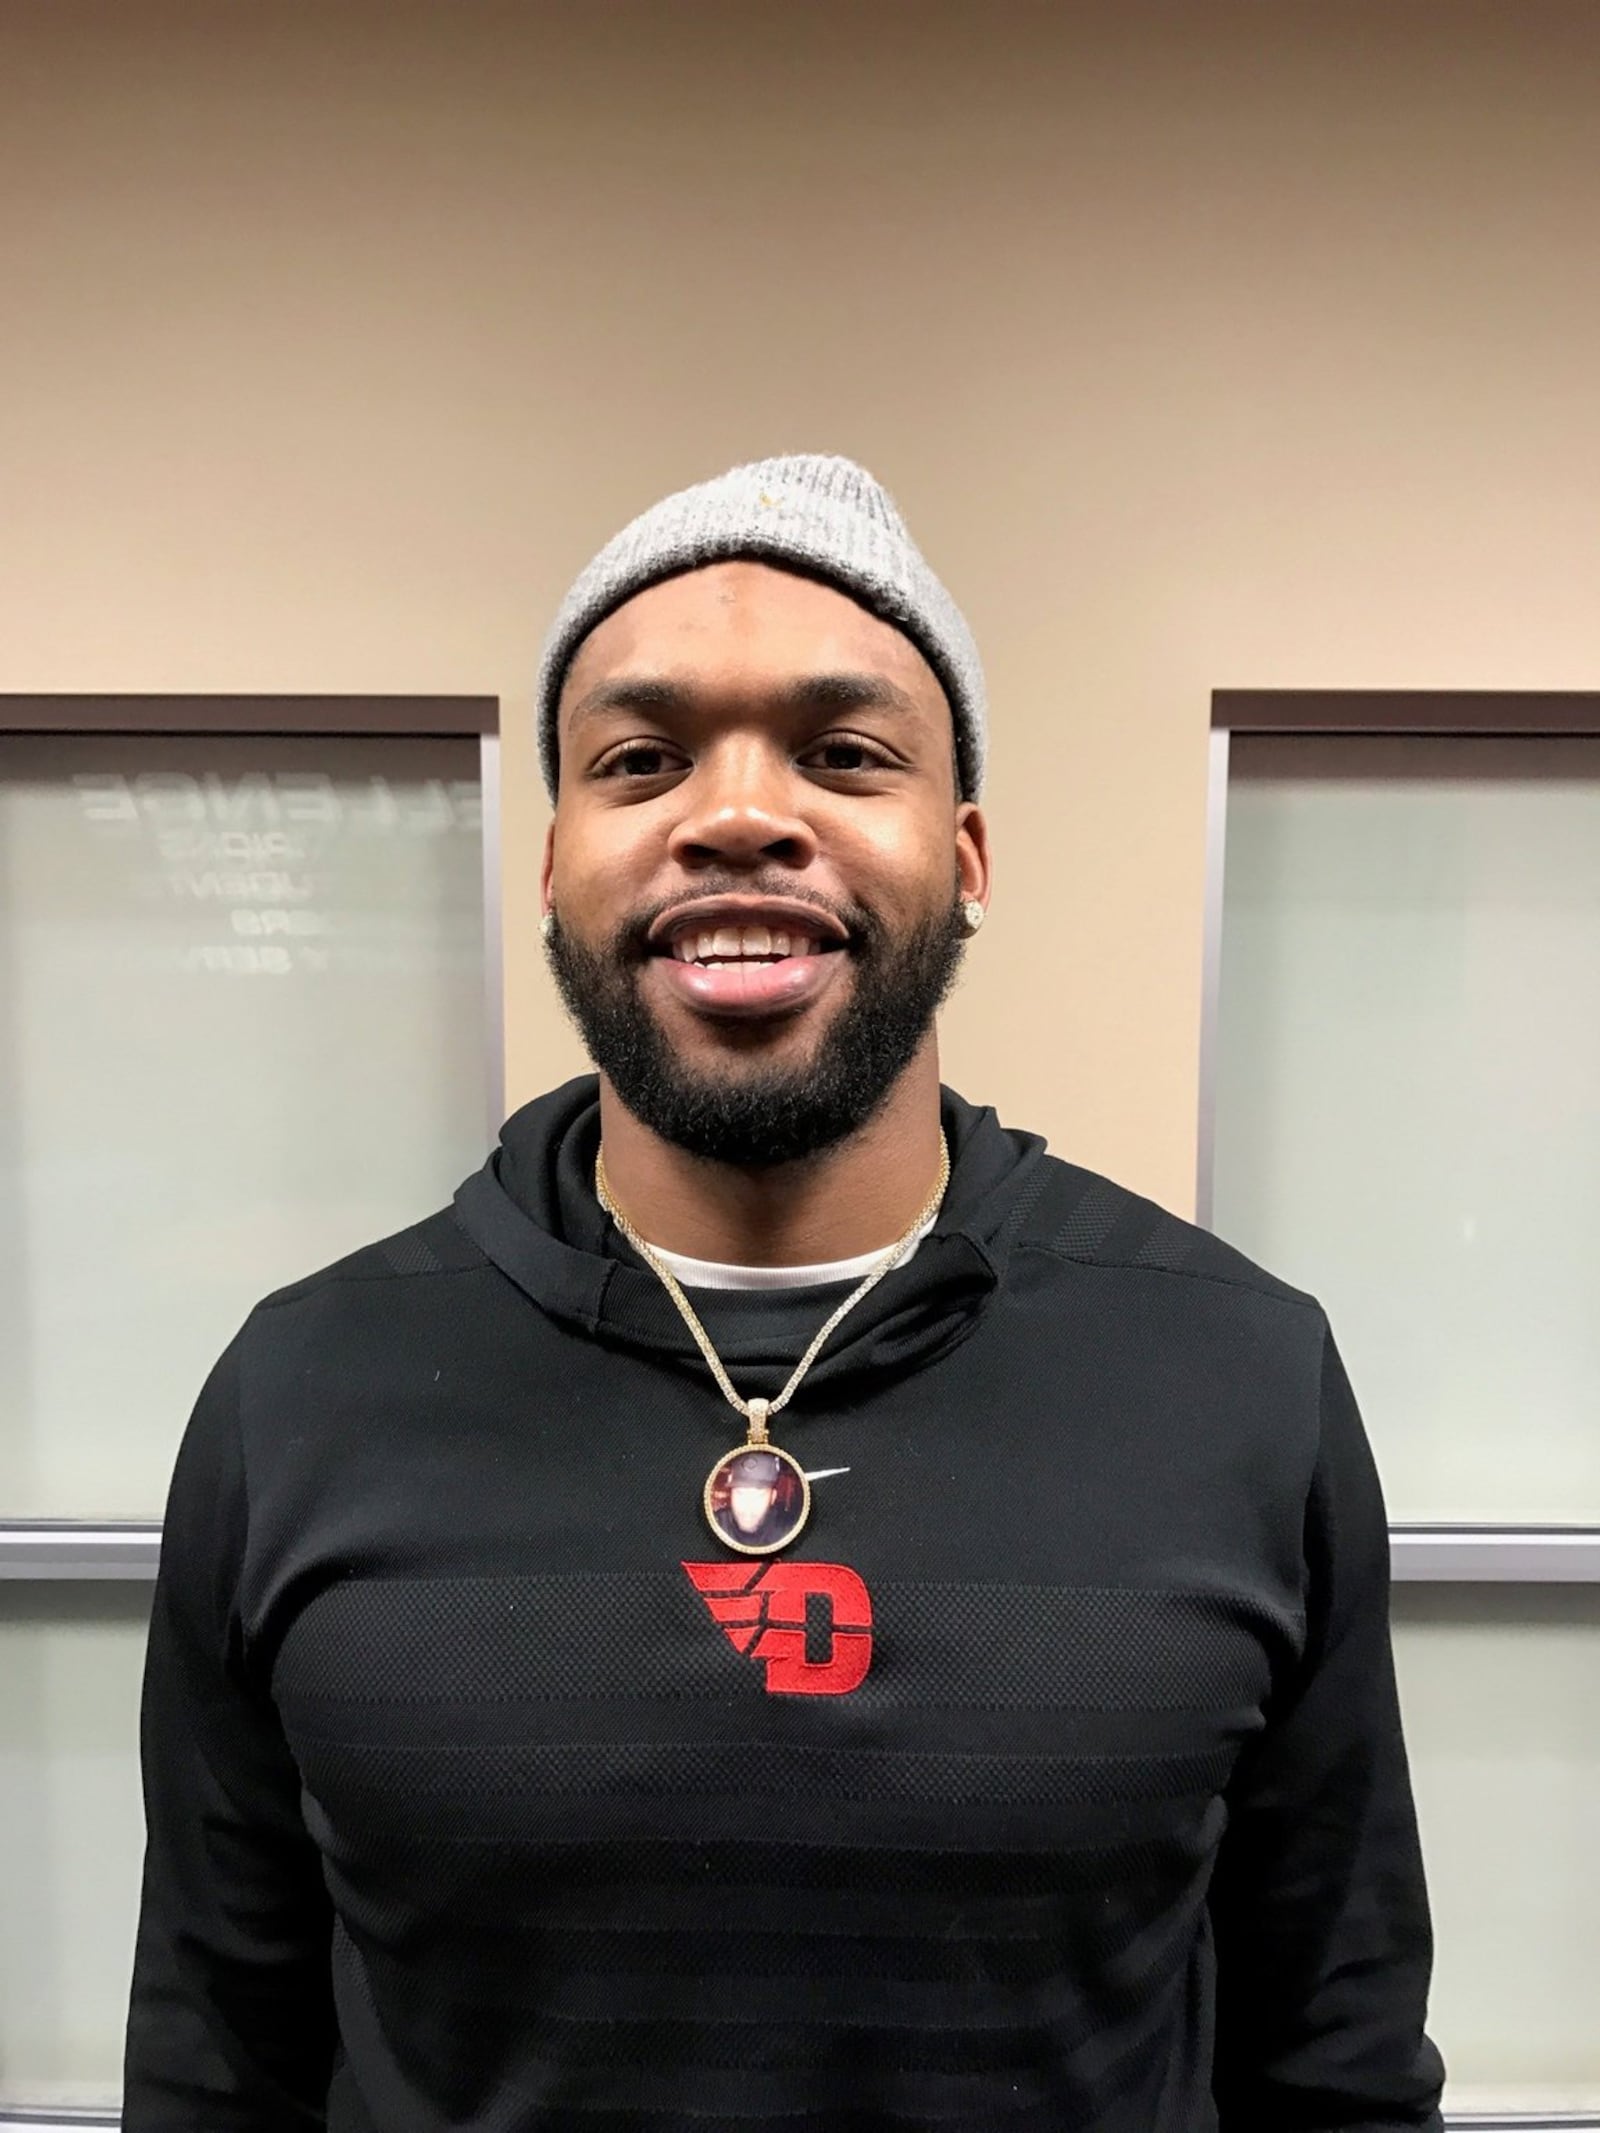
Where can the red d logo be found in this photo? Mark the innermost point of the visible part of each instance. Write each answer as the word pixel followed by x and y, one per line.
pixel 763 1611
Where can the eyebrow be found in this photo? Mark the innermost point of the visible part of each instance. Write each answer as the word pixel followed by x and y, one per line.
pixel 812 692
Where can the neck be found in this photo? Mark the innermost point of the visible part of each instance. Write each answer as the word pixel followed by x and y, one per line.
pixel 860 1196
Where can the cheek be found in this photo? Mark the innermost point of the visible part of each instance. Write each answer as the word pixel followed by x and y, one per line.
pixel 904 867
pixel 601 862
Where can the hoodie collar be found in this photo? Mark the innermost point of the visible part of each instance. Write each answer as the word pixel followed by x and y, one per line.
pixel 533 1210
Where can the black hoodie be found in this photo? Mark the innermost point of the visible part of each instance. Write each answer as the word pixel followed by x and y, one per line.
pixel 1051 1779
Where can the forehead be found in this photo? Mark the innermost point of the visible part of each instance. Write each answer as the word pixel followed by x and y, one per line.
pixel 748 624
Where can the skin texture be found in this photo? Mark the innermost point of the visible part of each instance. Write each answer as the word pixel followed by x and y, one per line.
pixel 735 782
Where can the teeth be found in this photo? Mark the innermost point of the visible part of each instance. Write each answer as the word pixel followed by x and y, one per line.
pixel 732 944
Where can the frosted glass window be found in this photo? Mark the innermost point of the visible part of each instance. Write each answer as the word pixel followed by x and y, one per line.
pixel 1408 1095
pixel 242 1031
pixel 1501 1696
pixel 71 1837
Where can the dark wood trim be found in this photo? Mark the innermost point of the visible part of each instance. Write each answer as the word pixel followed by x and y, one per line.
pixel 1499 711
pixel 324 715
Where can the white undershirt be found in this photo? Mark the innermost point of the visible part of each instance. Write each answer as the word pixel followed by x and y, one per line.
pixel 719 1274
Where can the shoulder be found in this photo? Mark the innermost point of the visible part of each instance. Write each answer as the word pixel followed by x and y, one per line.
pixel 422 1251
pixel 1081 1218
pixel 319 1356
pixel 1167 1307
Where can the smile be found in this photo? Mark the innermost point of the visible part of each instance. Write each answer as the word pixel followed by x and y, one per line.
pixel 739 958
pixel 713 947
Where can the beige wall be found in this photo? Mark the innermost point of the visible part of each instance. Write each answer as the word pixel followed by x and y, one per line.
pixel 1202 344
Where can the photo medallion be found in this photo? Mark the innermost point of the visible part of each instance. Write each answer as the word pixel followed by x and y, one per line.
pixel 757 1499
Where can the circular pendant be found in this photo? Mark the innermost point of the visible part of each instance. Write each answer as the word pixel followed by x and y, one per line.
pixel 757 1499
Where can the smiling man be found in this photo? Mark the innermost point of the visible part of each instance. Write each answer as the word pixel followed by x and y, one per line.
pixel 785 1605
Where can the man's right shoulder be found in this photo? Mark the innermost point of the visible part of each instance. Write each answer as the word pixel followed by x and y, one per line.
pixel 433 1246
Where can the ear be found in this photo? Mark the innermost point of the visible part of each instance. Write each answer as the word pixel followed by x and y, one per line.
pixel 547 871
pixel 972 853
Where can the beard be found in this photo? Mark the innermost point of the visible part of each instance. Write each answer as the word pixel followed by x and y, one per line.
pixel 757 1115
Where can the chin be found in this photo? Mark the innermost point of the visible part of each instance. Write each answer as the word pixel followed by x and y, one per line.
pixel 774 1040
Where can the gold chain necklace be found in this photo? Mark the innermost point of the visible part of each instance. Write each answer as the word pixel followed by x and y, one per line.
pixel 757 1499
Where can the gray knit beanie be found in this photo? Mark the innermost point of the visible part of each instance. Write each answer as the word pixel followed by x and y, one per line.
pixel 822 514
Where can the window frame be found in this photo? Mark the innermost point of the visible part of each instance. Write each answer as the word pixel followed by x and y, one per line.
pixel 129 1550
pixel 1422 1552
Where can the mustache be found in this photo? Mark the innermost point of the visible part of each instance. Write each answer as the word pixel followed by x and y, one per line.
pixel 631 940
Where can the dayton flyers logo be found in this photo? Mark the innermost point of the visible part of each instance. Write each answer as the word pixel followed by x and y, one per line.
pixel 762 1611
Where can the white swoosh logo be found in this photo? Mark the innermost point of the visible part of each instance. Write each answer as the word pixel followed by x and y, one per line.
pixel 823 1472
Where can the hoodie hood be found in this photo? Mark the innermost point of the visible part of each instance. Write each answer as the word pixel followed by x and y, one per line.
pixel 532 1209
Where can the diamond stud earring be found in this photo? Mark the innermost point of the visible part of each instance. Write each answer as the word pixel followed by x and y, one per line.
pixel 972 914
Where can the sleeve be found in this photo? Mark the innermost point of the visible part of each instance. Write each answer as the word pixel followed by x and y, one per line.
pixel 1318 1903
pixel 231 2026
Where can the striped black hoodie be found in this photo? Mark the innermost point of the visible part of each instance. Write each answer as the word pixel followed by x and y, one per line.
pixel 1051 1780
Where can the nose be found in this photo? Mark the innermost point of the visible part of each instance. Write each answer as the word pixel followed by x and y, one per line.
pixel 740 810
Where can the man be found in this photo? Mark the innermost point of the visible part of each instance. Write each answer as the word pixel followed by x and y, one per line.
pixel 756 1502
pixel 1044 1772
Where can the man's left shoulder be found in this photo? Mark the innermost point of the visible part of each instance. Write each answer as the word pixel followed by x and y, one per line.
pixel 1084 1218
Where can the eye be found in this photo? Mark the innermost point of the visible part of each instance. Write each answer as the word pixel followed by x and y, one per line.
pixel 844 752
pixel 637 759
